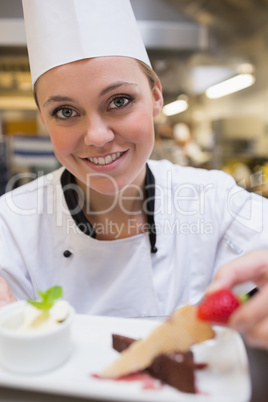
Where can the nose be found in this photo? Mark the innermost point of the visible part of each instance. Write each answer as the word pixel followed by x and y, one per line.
pixel 97 132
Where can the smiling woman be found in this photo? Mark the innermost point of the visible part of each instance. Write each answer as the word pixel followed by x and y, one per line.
pixel 121 234
pixel 103 123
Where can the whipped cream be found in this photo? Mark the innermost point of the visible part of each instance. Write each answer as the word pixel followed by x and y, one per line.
pixel 36 320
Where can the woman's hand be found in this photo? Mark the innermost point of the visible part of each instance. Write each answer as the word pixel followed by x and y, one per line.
pixel 6 296
pixel 251 318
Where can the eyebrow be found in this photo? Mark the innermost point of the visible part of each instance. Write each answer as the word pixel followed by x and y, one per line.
pixel 58 98
pixel 115 86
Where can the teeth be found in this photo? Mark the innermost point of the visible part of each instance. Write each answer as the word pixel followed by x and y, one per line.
pixel 108 159
pixel 101 160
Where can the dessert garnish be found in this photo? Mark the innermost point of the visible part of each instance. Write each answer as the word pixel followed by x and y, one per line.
pixel 47 298
pixel 178 333
pixel 46 313
pixel 175 368
pixel 218 306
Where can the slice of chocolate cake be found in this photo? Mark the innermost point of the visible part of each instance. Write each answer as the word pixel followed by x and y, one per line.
pixel 178 333
pixel 175 369
pixel 121 342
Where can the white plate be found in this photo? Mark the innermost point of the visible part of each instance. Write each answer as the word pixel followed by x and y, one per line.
pixel 225 380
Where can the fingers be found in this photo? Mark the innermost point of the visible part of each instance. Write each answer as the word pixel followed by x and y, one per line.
pixel 258 336
pixel 250 267
pixel 251 319
pixel 252 312
pixel 6 296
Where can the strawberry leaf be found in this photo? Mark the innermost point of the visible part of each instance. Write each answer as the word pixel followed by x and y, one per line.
pixel 244 298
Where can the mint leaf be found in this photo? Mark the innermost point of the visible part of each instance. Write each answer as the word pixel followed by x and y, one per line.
pixel 53 294
pixel 37 304
pixel 47 298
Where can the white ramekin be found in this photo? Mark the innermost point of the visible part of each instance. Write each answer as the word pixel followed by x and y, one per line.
pixel 32 352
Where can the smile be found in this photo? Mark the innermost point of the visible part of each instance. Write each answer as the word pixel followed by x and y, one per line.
pixel 105 160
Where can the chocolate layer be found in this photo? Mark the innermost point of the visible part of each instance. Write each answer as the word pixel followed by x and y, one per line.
pixel 175 369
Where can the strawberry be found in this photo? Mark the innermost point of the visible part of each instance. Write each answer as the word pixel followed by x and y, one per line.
pixel 218 306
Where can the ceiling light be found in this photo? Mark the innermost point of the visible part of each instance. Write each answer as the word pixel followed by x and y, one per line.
pixel 178 106
pixel 230 86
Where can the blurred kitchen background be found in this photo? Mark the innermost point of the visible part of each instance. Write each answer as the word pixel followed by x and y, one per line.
pixel 193 45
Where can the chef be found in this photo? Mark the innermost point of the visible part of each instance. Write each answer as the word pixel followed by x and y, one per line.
pixel 122 234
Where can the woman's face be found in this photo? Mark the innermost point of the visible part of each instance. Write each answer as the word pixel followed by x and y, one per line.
pixel 99 113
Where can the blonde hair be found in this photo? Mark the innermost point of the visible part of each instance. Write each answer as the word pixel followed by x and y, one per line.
pixel 150 73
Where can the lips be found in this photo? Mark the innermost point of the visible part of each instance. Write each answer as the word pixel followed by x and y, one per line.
pixel 105 160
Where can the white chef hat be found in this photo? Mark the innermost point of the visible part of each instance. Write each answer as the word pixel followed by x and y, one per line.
pixel 62 31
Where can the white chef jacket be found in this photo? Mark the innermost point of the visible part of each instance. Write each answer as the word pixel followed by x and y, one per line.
pixel 202 220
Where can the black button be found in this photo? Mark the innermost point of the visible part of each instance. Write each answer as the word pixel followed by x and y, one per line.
pixel 67 253
pixel 154 249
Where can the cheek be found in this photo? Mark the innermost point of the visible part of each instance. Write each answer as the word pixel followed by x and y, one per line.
pixel 141 128
pixel 62 143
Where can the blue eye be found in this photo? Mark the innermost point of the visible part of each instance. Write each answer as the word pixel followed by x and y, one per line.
pixel 64 113
pixel 120 102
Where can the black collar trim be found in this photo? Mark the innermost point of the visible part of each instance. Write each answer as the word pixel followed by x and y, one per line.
pixel 68 183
